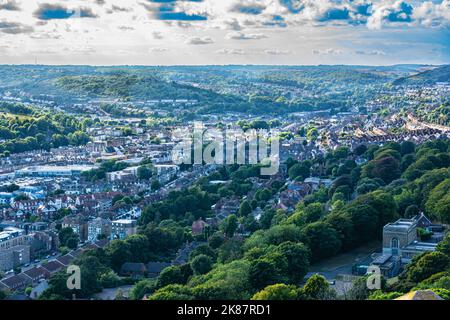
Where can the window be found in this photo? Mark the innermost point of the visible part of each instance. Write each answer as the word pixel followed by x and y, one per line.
pixel 394 246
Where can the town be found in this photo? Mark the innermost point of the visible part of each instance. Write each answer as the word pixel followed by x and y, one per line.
pixel 105 186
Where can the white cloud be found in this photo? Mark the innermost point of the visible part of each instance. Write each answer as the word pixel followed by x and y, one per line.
pixel 199 40
pixel 80 49
pixel 430 14
pixel 157 50
pixel 297 27
pixel 231 51
pixel 157 35
pixel 14 27
pixel 244 36
pixel 277 52
pixel 328 51
pixel 370 52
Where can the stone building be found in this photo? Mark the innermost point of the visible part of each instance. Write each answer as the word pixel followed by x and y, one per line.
pixel 398 235
pixel 14 256
pixel 400 238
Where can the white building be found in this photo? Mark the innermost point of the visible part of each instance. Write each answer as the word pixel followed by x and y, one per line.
pixel 53 171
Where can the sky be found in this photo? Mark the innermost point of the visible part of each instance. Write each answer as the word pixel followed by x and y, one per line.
pixel 201 32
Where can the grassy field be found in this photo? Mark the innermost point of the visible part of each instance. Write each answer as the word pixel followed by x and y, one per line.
pixel 11 115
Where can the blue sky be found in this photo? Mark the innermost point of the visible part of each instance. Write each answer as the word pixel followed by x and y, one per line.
pixel 165 32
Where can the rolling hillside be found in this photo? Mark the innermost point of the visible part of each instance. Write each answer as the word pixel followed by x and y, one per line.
pixel 439 74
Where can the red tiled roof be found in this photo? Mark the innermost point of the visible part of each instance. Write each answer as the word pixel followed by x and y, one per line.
pixel 53 266
pixel 17 281
pixel 65 260
pixel 37 272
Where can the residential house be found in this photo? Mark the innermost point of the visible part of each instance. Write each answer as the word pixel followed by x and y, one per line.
pixel 98 227
pixel 122 228
pixel 65 259
pixel 36 274
pixel 14 257
pixel 134 270
pixel 155 268
pixel 53 266
pixel 41 243
pixel 198 227
pixel 294 193
pixel 6 198
pixel 14 248
pixel 17 282
pixel 79 225
pixel 389 265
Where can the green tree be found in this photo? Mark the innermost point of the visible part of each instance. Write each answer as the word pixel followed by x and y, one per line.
pixel 263 195
pixel 407 147
pixel 12 187
pixel 171 275
pixel 358 290
pixel 110 279
pixel 229 225
pixel 297 255
pixel 317 288
pixel 141 288
pixel 425 265
pixel 438 203
pixel 380 295
pixel 386 168
pixel 155 184
pixel 72 242
pixel 444 245
pixel 228 281
pixel 201 264
pixel 299 171
pixel 277 291
pixel 139 247
pixel 216 240
pixel 360 150
pixel 322 239
pixel 312 134
pixel 263 272
pixel 412 211
pixel 65 234
pixel 311 212
pixel 245 208
pixel 203 249
pixel 91 269
pixel 144 173
pixel 57 287
pixel 3 295
pixel 173 292
pixel 118 252
pixel 281 233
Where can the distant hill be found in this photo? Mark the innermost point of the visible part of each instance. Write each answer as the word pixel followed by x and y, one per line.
pixel 251 89
pixel 127 85
pixel 67 83
pixel 439 74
